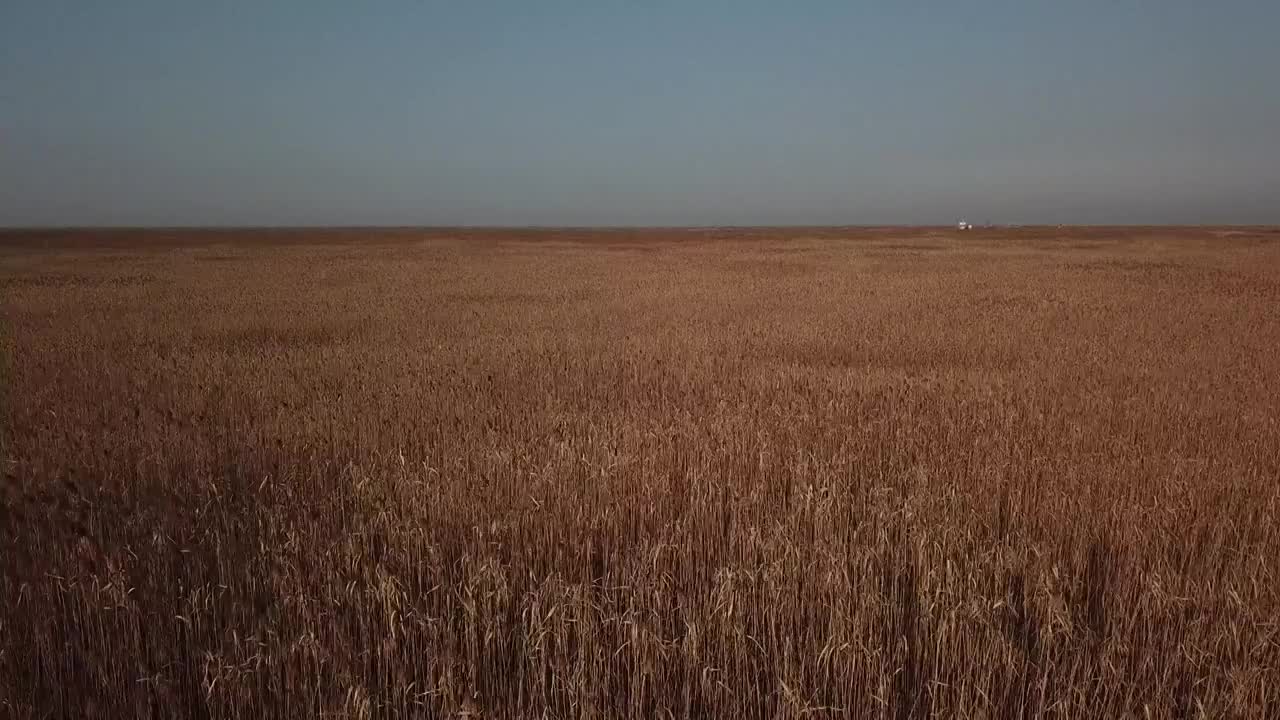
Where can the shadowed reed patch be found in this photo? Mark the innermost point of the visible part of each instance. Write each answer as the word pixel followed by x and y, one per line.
pixel 895 357
pixel 258 338
pixel 76 280
pixel 1139 267
pixel 6 372
pixel 772 267
pixel 503 297
pixel 909 246
pixel 1182 275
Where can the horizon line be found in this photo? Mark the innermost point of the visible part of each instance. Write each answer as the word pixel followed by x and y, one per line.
pixel 731 226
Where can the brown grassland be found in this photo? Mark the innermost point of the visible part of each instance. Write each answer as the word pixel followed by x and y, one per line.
pixel 891 473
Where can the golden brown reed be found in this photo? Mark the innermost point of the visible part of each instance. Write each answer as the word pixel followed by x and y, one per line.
pixel 594 474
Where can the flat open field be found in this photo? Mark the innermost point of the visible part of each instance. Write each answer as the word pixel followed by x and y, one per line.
pixel 767 473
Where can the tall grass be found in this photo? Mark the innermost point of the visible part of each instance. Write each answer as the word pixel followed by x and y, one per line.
pixel 890 474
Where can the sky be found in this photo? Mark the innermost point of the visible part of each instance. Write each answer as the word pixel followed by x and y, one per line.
pixel 638 112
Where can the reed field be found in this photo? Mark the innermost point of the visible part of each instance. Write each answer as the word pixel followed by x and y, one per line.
pixel 715 473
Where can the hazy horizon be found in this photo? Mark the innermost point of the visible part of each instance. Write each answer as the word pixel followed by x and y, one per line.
pixel 511 227
pixel 502 114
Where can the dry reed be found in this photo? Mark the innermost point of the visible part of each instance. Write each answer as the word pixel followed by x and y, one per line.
pixel 752 474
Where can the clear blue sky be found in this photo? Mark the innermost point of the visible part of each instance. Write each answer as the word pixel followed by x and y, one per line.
pixel 139 112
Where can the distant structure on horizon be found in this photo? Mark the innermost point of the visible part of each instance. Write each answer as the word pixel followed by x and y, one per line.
pixel 963 225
